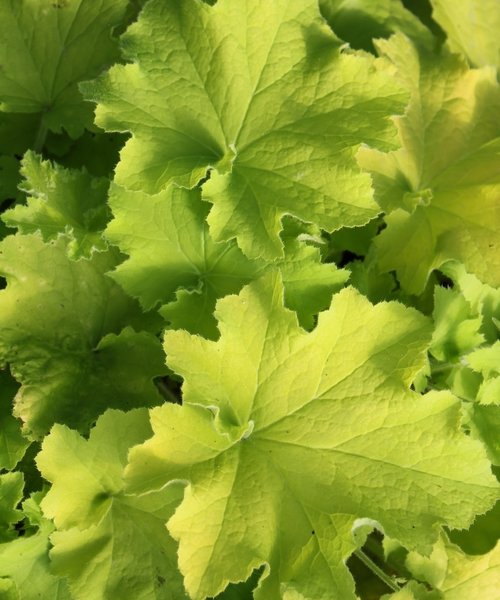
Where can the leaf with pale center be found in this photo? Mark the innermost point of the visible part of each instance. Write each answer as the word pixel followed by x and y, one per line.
pixel 287 437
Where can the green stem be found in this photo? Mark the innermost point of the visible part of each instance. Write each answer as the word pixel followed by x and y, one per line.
pixel 41 135
pixel 166 392
pixel 376 570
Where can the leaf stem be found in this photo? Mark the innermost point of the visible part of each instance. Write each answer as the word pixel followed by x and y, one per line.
pixel 41 135
pixel 376 570
pixel 166 392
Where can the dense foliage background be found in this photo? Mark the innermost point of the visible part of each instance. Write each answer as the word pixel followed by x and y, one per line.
pixel 250 305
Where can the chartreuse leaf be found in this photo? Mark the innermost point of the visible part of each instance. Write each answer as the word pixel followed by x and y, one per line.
pixel 108 543
pixel 46 48
pixel 11 493
pixel 61 201
pixel 359 22
pixel 25 564
pixel 456 330
pixel 484 299
pixel 262 93
pixel 61 330
pixel 472 28
pixel 455 574
pixel 13 444
pixel 441 188
pixel 174 261
pixel 287 437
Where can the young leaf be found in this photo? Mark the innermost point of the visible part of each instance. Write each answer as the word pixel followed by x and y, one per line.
pixel 441 188
pixel 260 92
pixel 108 543
pixel 24 562
pixel 282 431
pixel 61 330
pixel 62 202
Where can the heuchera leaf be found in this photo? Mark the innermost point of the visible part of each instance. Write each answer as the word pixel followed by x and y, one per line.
pixel 442 187
pixel 262 93
pixel 456 575
pixel 25 564
pixel 459 19
pixel 46 48
pixel 62 331
pixel 108 543
pixel 359 22
pixel 11 493
pixel 62 202
pixel 13 444
pixel 174 261
pixel 287 437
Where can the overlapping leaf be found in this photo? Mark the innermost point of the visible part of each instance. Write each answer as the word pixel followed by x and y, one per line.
pixel 472 28
pixel 261 92
pixel 442 188
pixel 108 543
pixel 46 48
pixel 174 261
pixel 359 22
pixel 62 202
pixel 287 438
pixel 62 331
pixel 24 563
pixel 12 443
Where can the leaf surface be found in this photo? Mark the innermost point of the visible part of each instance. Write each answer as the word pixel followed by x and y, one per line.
pixel 46 48
pixel 440 190
pixel 287 436
pixel 62 331
pixel 261 93
pixel 107 543
pixel 62 202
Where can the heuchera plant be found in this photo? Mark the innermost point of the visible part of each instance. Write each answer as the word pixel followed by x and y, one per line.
pixel 250 304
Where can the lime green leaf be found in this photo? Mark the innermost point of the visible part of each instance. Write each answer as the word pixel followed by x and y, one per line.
pixel 456 331
pixel 25 562
pixel 456 575
pixel 260 92
pixel 359 22
pixel 486 360
pixel 11 493
pixel 62 202
pixel 413 591
pixel 46 48
pixel 13 444
pixel 108 543
pixel 482 535
pixel 441 188
pixel 472 28
pixel 275 418
pixel 484 422
pixel 174 260
pixel 61 331
pixel 170 249
pixel 484 299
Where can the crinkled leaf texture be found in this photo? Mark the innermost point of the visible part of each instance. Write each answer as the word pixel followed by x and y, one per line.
pixel 62 202
pixel 46 48
pixel 287 438
pixel 108 543
pixel 262 93
pixel 63 329
pixel 441 189
pixel 174 261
